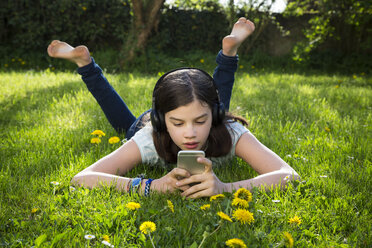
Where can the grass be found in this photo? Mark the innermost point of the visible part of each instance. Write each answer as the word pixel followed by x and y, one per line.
pixel 320 124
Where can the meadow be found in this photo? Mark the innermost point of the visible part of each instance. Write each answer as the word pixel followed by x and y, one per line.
pixel 319 123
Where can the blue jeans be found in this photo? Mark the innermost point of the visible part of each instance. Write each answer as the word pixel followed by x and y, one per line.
pixel 118 113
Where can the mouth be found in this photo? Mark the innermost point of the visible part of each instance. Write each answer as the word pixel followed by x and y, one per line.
pixel 191 145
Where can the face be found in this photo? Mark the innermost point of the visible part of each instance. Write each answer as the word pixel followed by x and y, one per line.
pixel 189 125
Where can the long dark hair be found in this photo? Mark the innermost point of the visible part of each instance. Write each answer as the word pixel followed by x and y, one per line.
pixel 180 88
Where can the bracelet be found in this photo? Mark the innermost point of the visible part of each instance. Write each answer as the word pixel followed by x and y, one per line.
pixel 147 187
pixel 129 185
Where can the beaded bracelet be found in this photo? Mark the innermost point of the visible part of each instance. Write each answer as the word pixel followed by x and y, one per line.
pixel 147 187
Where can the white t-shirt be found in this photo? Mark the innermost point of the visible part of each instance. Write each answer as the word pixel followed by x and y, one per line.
pixel 145 143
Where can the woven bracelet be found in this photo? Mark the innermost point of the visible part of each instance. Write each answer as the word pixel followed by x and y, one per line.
pixel 147 187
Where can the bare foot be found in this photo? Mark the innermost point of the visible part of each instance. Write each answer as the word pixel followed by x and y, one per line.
pixel 79 55
pixel 241 30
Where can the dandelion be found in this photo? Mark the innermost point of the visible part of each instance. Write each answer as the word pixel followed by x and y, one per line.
pixel 355 76
pixel 237 202
pixel 295 220
pixel 327 129
pixel 89 236
pixel 241 66
pixel 148 227
pixel 337 86
pixel 84 8
pixel 243 215
pixel 114 140
pixel 95 140
pixel 224 216
pixel 107 243
pixel 235 243
pixel 288 240
pixel 252 66
pixel 275 201
pixel 106 238
pixel 216 197
pixel 202 61
pixel 244 194
pixel 170 206
pixel 205 207
pixel 54 183
pixel 133 205
pixel 100 133
pixel 6 65
pixel 34 210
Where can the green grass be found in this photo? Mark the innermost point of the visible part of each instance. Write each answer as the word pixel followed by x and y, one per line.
pixel 320 124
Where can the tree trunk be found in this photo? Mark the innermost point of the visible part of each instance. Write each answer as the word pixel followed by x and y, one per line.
pixel 145 19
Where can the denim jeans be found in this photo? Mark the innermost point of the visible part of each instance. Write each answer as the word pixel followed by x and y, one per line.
pixel 118 113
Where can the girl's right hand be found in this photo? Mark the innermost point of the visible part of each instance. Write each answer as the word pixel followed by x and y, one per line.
pixel 168 182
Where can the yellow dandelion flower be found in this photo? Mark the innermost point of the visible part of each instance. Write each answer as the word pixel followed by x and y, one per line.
pixel 241 66
pixel 337 86
pixel 6 65
pixel 327 129
pixel 243 215
pixel 201 60
pixel 170 206
pixel 252 66
pixel 205 207
pixel 84 8
pixel 295 220
pixel 244 194
pixel 34 210
pixel 133 205
pixel 114 140
pixel 224 216
pixel 100 133
pixel 106 238
pixel 95 140
pixel 236 243
pixel 216 197
pixel 355 76
pixel 237 202
pixel 288 240
pixel 148 227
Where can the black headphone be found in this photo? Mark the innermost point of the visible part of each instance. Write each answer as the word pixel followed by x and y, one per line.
pixel 158 119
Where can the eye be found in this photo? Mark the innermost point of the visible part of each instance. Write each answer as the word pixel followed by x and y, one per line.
pixel 200 122
pixel 177 124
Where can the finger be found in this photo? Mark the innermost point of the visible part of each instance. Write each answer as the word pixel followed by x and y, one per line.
pixel 207 163
pixel 178 172
pixel 196 188
pixel 192 179
pixel 199 194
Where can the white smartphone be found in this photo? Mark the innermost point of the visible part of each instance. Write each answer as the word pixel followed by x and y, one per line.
pixel 187 160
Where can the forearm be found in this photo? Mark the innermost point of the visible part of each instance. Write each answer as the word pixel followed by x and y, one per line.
pixel 97 179
pixel 277 178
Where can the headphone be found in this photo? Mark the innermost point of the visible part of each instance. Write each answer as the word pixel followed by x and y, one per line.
pixel 158 119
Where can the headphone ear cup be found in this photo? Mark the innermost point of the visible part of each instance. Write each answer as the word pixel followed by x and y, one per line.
pixel 218 113
pixel 157 121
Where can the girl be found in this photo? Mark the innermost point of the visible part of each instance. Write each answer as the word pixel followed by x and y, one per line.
pixel 188 113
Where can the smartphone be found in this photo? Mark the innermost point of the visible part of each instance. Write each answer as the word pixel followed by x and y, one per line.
pixel 187 160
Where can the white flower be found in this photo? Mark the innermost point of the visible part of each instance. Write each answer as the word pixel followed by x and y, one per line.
pixel 260 211
pixel 323 176
pixel 276 201
pixel 54 183
pixel 107 243
pixel 72 189
pixel 288 155
pixel 89 236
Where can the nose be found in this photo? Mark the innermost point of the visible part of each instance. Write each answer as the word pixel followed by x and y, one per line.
pixel 189 131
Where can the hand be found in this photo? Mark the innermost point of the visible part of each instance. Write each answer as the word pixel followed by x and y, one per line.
pixel 207 183
pixel 168 182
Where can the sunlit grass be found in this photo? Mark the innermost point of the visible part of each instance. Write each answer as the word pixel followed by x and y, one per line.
pixel 320 124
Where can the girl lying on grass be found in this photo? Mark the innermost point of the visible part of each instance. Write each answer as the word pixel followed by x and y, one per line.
pixel 189 112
